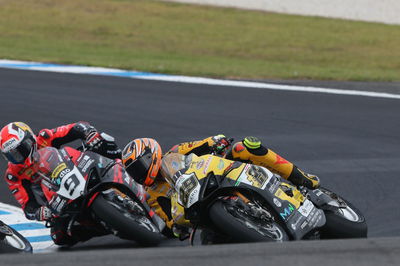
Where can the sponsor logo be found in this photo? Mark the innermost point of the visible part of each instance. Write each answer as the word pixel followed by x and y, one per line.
pixel 303 225
pixel 83 162
pixel 207 164
pixel 84 169
pixel 64 172
pixel 58 170
pixel 199 164
pixel 8 145
pixel 221 164
pixel 239 148
pixel 280 160
pixel 287 211
pixel 277 202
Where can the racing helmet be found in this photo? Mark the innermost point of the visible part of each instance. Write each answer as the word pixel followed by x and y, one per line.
pixel 18 143
pixel 142 160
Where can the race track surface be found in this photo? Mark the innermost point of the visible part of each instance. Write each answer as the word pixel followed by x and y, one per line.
pixel 351 142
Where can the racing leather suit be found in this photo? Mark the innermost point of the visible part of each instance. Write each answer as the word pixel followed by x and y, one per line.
pixel 249 150
pixel 24 182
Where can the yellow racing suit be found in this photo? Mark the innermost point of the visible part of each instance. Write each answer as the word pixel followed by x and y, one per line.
pixel 250 150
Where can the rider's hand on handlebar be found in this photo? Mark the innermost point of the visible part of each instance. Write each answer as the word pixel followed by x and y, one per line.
pixel 221 144
pixel 43 214
pixel 103 144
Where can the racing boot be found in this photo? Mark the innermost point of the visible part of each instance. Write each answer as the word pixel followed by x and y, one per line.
pixel 251 150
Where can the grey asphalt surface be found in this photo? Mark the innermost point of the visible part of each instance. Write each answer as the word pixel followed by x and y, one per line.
pixel 351 142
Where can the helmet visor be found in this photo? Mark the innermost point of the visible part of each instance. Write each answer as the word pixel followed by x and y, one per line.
pixel 19 154
pixel 139 168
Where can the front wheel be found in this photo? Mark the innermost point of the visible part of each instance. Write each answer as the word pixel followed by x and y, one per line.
pixel 129 223
pixel 343 220
pixel 245 222
pixel 13 242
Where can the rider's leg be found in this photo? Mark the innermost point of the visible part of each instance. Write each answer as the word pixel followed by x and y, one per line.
pixel 251 150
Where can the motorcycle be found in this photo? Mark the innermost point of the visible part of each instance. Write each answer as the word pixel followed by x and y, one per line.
pixel 11 241
pixel 241 202
pixel 86 188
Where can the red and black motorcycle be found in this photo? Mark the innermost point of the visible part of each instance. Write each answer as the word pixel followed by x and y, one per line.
pixel 87 188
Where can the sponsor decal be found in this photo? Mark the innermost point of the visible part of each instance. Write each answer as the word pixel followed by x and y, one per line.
pixel 10 144
pixel 303 225
pixel 277 202
pixel 280 160
pixel 58 170
pixel 15 190
pixel 239 148
pixel 84 169
pixel 64 172
pixel 83 162
pixel 207 164
pixel 221 164
pixel 287 212
pixel 199 164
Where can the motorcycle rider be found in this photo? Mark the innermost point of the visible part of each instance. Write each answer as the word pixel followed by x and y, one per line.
pixel 142 160
pixel 19 146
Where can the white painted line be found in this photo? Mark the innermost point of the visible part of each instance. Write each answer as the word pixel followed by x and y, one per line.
pixel 184 79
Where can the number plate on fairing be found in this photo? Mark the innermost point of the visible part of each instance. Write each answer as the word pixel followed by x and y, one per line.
pixel 188 188
pixel 306 208
pixel 72 184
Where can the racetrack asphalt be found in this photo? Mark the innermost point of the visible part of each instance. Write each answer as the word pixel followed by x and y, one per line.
pixel 351 142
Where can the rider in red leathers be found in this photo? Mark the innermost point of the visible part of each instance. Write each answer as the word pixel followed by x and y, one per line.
pixel 18 145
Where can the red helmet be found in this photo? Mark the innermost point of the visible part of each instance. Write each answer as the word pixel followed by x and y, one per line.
pixel 18 143
pixel 142 160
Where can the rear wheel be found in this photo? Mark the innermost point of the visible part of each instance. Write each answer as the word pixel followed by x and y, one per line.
pixel 245 222
pixel 128 222
pixel 11 241
pixel 343 220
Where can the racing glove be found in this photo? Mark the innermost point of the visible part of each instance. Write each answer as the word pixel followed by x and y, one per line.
pixel 221 144
pixel 43 214
pixel 103 144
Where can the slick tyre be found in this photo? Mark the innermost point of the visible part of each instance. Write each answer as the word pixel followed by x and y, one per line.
pixel 128 225
pixel 239 228
pixel 13 242
pixel 347 222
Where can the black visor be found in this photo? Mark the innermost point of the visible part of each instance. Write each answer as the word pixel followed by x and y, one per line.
pixel 139 168
pixel 19 154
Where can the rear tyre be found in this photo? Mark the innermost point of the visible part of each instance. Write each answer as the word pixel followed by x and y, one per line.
pixel 128 225
pixel 346 221
pixel 235 222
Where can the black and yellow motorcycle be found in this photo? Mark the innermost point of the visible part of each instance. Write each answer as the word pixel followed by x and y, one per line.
pixel 247 203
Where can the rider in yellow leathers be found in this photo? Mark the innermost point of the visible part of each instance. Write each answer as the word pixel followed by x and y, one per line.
pixel 142 159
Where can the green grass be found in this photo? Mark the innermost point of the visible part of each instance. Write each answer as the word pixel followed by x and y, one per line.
pixel 199 41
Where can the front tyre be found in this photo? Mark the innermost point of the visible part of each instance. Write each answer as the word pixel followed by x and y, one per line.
pixel 132 225
pixel 343 220
pixel 236 220
pixel 13 242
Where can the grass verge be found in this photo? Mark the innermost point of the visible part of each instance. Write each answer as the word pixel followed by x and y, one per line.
pixel 193 40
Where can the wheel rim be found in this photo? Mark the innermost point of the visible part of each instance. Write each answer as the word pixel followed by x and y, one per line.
pixel 139 218
pixel 343 209
pixel 349 214
pixel 15 242
pixel 265 228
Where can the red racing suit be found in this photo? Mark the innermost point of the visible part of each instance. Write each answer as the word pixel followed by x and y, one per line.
pixel 23 181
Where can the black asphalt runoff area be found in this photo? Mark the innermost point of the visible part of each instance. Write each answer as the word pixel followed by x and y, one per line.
pixel 351 142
